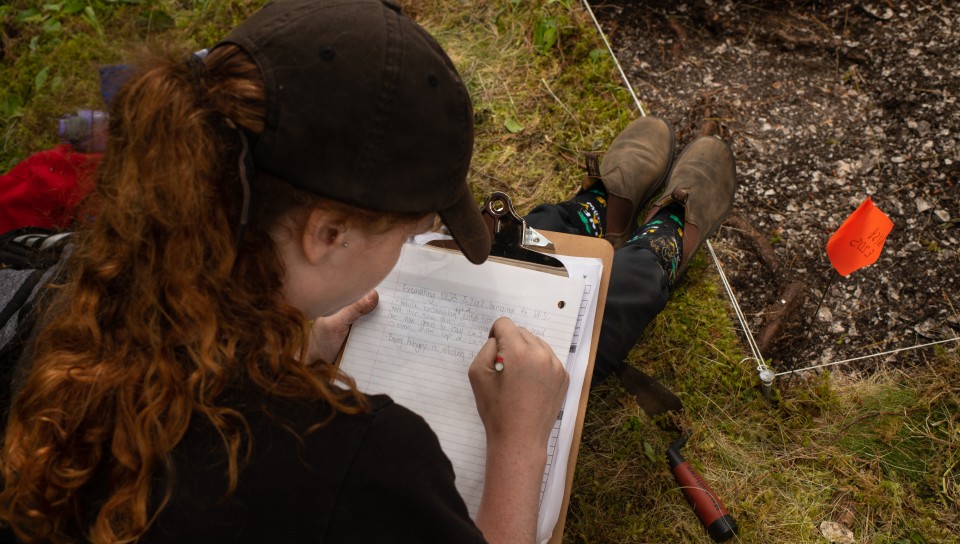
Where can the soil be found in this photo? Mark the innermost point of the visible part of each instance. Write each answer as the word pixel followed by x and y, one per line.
pixel 824 104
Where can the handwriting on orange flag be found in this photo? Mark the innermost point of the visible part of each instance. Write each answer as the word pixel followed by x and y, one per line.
pixel 859 240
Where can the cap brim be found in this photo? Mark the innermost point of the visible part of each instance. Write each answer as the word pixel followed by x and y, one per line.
pixel 468 228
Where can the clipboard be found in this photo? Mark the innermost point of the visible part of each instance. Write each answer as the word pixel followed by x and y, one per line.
pixel 515 242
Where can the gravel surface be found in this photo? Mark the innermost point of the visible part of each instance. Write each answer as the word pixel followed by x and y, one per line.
pixel 824 104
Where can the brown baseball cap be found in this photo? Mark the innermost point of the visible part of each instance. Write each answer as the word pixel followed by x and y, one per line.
pixel 364 107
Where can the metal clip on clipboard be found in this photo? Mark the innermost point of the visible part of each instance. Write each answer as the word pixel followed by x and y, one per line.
pixel 511 236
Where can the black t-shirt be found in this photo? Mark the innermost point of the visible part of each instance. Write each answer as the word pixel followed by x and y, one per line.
pixel 375 477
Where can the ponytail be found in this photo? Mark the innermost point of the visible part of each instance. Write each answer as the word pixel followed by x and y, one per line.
pixel 162 311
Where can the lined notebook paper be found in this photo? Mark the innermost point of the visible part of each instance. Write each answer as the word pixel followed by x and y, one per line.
pixel 435 312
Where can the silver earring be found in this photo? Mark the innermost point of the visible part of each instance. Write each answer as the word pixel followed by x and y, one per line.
pixel 345 244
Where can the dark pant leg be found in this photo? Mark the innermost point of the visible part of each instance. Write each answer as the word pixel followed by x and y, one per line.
pixel 638 291
pixel 555 218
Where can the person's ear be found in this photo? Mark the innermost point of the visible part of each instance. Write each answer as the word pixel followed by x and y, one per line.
pixel 322 234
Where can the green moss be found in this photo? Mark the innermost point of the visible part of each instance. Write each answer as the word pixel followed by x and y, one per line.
pixel 515 83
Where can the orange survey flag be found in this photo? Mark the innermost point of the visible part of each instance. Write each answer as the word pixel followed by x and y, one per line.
pixel 858 241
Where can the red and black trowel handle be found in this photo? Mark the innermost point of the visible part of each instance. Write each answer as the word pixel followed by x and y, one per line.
pixel 714 517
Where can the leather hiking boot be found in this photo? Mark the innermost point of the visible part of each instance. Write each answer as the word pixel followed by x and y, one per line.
pixel 633 170
pixel 703 180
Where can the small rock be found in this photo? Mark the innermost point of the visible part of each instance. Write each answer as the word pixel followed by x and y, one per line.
pixel 893 293
pixel 826 356
pixel 836 533
pixel 922 205
pixel 925 328
pixel 885 15
pixel 910 247
pixel 942 215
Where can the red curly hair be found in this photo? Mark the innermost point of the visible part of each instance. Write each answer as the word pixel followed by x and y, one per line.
pixel 161 311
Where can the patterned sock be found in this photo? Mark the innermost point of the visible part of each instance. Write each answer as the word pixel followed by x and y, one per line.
pixel 663 235
pixel 589 206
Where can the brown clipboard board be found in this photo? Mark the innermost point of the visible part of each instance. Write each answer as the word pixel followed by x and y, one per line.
pixel 508 232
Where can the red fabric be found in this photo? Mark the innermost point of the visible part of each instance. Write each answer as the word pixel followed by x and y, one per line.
pixel 44 189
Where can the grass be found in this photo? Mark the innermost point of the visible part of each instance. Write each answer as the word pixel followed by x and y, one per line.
pixel 535 116
pixel 878 454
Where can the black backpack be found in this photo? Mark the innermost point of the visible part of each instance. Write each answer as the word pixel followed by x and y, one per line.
pixel 30 258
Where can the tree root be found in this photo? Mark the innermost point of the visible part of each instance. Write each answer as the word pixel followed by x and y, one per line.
pixel 780 313
pixel 760 244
